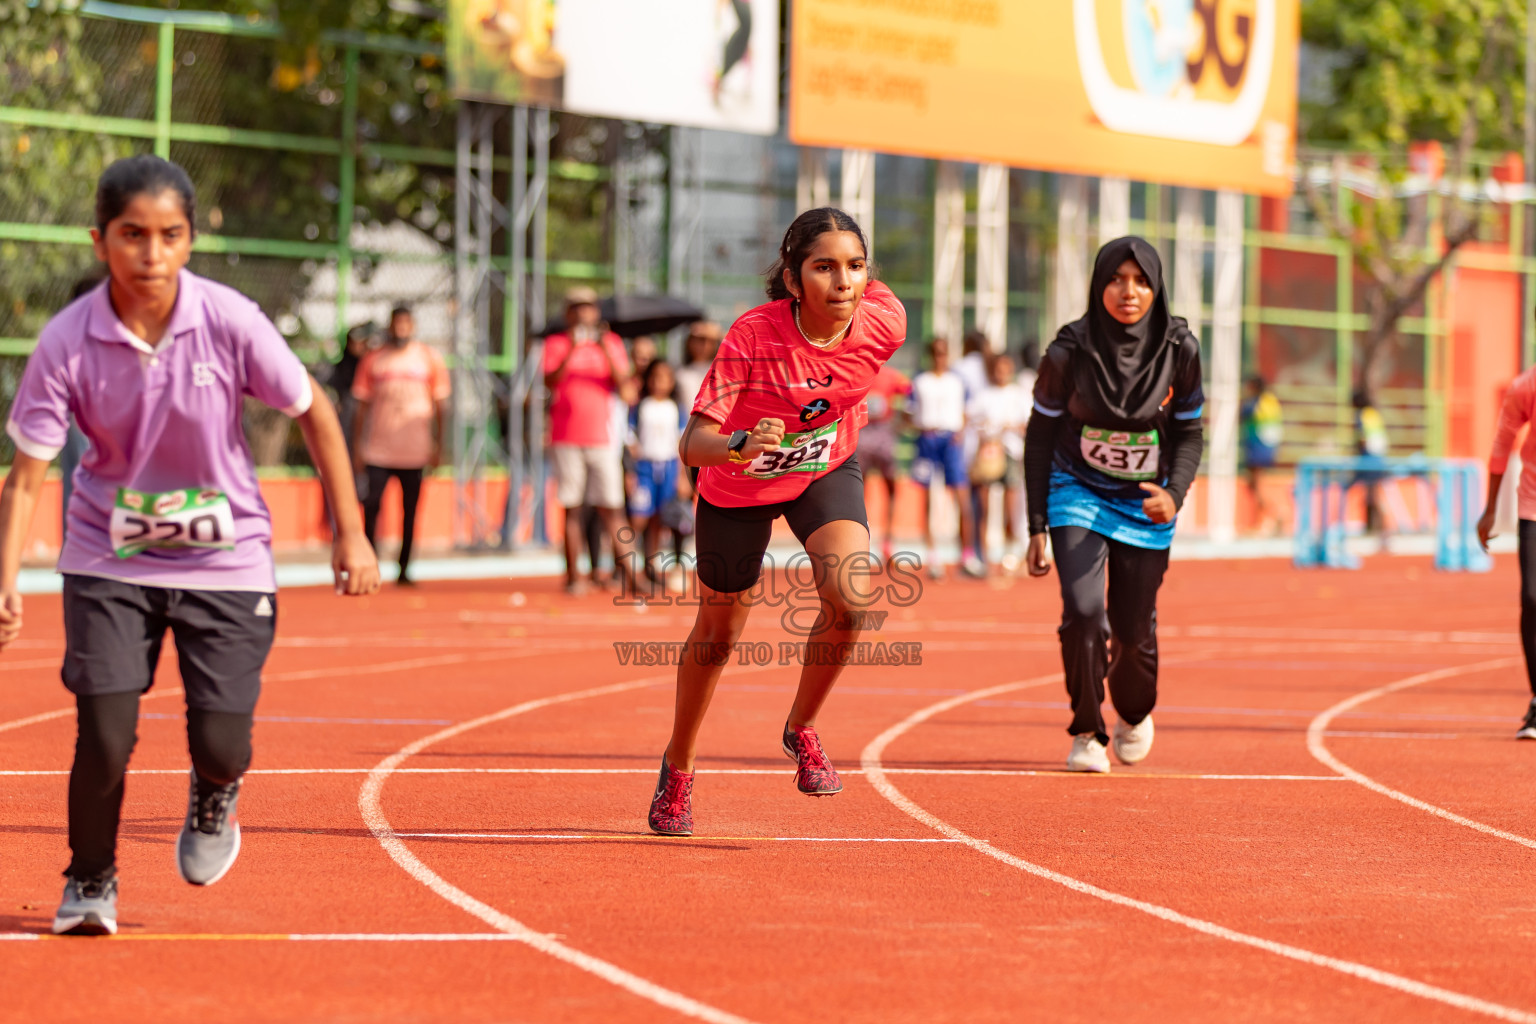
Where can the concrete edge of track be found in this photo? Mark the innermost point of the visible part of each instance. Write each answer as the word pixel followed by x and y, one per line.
pixel 874 772
pixel 1318 748
pixel 549 563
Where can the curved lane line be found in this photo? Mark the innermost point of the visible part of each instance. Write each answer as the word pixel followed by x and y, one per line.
pixel 1319 749
pixel 875 773
pixel 370 804
pixel 48 716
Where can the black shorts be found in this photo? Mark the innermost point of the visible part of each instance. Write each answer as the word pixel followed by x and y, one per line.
pixel 113 632
pixel 732 541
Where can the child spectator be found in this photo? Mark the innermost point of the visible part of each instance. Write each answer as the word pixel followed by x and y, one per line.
pixel 654 450
pixel 999 415
pixel 937 411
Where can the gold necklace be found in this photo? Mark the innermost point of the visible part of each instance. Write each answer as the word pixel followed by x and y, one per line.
pixel 812 341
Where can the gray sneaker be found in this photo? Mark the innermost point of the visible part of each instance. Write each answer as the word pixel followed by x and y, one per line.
pixel 210 837
pixel 89 906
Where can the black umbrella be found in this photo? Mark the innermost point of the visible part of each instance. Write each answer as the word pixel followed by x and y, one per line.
pixel 630 316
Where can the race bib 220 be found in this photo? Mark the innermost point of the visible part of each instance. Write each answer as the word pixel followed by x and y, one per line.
pixel 191 518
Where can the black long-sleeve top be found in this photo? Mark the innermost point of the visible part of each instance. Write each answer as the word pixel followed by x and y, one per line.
pixel 1053 438
pixel 1186 441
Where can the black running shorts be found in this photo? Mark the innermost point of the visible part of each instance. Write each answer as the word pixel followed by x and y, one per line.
pixel 732 541
pixel 113 632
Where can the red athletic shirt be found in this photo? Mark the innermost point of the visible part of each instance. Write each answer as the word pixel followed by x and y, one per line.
pixel 766 369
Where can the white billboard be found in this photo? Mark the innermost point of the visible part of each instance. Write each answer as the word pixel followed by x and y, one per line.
pixel 700 63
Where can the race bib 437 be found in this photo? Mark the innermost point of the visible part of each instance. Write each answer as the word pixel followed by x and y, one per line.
pixel 1122 454
pixel 191 518
pixel 801 453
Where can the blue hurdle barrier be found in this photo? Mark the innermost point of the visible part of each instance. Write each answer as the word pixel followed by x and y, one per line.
pixel 1322 489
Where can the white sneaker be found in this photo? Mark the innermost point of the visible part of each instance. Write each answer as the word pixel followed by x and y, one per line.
pixel 1088 754
pixel 1132 742
pixel 1528 727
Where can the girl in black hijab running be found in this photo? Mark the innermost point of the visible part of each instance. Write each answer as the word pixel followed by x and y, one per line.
pixel 1109 455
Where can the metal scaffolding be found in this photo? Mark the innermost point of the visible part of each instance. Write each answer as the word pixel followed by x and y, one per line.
pixel 992 254
pixel 813 190
pixel 531 130
pixel 1070 293
pixel 477 281
pixel 1226 365
pixel 1114 208
pixel 858 193
pixel 949 253
pixel 639 211
pixel 685 253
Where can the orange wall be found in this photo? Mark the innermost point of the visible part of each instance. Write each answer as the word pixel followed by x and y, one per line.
pixel 298 513
pixel 1484 353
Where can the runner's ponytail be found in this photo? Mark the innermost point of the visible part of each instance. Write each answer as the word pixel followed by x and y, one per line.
pixel 800 239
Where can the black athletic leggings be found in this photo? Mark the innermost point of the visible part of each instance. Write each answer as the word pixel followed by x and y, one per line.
pixel 220 743
pixel 1114 638
pixel 1528 598
pixel 410 493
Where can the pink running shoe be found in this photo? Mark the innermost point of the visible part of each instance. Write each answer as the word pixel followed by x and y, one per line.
pixel 816 776
pixel 672 806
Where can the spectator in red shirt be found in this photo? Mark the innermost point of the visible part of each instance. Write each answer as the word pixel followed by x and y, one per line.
pixel 584 368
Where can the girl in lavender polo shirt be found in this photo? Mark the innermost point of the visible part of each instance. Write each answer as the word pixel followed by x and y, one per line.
pixel 166 526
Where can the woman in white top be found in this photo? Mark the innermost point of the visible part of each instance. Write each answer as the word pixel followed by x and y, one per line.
pixel 936 409
pixel 998 414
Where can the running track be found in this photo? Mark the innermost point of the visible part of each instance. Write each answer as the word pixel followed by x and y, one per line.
pixel 447 821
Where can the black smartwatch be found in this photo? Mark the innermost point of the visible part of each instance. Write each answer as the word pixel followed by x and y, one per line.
pixel 737 442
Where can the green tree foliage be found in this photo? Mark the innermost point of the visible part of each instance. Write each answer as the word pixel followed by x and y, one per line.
pixel 1395 73
pixel 46 176
pixel 1384 76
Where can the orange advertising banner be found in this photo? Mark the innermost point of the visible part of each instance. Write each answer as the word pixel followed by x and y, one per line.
pixel 1200 93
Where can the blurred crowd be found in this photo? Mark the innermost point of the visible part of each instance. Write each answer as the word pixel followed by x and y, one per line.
pixel 617 408
pixel 616 414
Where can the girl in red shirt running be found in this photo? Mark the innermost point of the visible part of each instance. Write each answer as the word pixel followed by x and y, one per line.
pixel 774 431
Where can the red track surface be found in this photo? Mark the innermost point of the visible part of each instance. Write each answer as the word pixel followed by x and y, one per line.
pixel 1155 893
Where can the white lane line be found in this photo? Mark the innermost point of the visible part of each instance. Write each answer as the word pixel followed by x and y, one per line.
pixel 1062 773
pixel 778 772
pixel 1319 749
pixel 269 937
pixel 876 774
pixel 647 838
pixel 1395 735
pixel 369 802
pixel 335 672
pixel 48 716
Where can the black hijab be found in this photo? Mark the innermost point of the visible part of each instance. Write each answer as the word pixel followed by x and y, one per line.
pixel 1123 372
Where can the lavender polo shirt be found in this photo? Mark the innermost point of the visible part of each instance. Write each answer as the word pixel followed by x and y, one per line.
pixel 160 419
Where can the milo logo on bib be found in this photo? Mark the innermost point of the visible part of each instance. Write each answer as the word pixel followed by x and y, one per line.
pixel 191 518
pixel 1122 454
